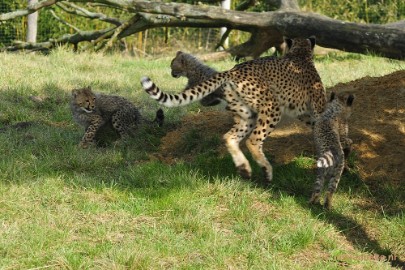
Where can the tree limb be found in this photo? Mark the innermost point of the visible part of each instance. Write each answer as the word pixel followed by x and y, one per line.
pixel 64 22
pixel 30 9
pixel 76 10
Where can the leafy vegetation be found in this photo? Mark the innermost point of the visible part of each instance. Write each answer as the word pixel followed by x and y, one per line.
pixel 367 11
pixel 119 207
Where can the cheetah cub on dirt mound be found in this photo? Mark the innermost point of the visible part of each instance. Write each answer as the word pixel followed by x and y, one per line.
pixel 187 65
pixel 258 93
pixel 331 140
pixel 93 111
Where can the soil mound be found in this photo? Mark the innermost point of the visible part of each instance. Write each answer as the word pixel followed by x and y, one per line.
pixel 377 128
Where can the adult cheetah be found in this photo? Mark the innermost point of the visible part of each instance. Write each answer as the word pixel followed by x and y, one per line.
pixel 259 92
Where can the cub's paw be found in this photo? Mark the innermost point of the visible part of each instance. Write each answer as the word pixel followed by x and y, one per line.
pixel 315 198
pixel 86 145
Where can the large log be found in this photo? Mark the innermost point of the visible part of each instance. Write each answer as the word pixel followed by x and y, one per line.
pixel 384 40
pixel 267 28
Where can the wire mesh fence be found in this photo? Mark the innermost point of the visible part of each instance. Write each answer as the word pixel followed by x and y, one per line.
pixel 148 42
pixel 16 29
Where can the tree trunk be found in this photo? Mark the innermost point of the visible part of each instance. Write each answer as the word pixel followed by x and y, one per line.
pixel 225 4
pixel 32 24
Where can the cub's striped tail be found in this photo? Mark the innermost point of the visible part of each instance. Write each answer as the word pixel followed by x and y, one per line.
pixel 187 96
pixel 326 160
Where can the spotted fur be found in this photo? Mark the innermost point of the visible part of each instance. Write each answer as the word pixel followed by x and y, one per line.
pixel 259 92
pixel 187 65
pixel 331 137
pixel 93 111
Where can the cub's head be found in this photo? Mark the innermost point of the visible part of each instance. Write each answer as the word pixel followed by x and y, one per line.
pixel 342 102
pixel 84 98
pixel 179 65
pixel 300 45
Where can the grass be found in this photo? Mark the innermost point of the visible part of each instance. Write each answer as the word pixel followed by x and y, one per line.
pixel 117 207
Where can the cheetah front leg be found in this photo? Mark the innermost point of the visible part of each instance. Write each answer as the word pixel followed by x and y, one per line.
pixel 88 138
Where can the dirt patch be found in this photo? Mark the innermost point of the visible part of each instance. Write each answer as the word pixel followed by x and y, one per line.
pixel 377 128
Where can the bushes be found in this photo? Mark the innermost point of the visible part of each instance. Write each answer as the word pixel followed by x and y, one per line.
pixel 367 11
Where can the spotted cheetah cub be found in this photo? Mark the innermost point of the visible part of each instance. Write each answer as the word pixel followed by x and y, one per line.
pixel 187 65
pixel 331 140
pixel 258 93
pixel 93 111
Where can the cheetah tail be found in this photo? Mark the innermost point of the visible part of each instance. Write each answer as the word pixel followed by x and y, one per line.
pixel 326 160
pixel 187 96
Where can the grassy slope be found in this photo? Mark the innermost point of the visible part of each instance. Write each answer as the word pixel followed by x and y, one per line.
pixel 118 208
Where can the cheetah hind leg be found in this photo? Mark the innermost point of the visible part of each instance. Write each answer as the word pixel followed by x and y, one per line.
pixel 315 198
pixel 124 122
pixel 232 140
pixel 242 127
pixel 256 149
pixel 264 126
pixel 328 200
pixel 334 181
pixel 321 172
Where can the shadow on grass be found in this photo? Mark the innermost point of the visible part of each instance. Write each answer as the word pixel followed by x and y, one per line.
pixel 296 179
pixel 357 235
pixel 301 178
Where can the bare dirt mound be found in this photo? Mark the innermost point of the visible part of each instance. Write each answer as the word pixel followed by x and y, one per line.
pixel 377 128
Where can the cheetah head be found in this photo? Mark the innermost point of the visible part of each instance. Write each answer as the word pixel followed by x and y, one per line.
pixel 85 99
pixel 179 65
pixel 297 44
pixel 344 101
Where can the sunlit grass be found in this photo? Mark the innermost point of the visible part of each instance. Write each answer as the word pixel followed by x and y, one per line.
pixel 117 207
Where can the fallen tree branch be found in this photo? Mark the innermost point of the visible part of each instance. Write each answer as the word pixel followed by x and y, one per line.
pixel 118 31
pixel 30 9
pixel 267 28
pixel 64 22
pixel 76 10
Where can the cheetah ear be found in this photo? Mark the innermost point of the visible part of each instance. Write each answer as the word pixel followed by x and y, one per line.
pixel 289 42
pixel 181 55
pixel 312 39
pixel 75 92
pixel 350 99
pixel 332 96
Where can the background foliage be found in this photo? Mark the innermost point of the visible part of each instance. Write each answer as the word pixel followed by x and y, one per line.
pixel 365 11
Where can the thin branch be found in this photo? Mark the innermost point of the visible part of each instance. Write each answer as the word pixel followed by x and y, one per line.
pixel 76 10
pixel 101 38
pixel 64 22
pixel 30 9
pixel 52 43
pixel 119 30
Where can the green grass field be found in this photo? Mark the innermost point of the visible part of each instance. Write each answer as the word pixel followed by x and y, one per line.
pixel 117 207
